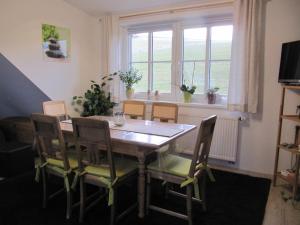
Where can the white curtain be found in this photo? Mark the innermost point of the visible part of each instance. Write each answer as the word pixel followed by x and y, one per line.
pixel 247 55
pixel 111 51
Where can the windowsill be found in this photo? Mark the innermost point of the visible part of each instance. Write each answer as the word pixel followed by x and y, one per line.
pixel 189 105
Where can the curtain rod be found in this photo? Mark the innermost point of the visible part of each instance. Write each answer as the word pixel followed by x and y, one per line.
pixel 178 9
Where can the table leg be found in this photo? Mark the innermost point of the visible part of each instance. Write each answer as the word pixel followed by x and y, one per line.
pixel 141 185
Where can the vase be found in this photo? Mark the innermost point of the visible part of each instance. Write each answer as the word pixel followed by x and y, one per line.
pixel 211 98
pixel 129 93
pixel 187 96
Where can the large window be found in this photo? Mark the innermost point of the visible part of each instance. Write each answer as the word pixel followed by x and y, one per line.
pixel 151 54
pixel 206 57
pixel 200 56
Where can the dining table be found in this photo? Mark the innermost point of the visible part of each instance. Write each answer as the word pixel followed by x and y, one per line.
pixel 140 139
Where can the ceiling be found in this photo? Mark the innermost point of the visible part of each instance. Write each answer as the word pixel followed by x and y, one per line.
pixel 99 7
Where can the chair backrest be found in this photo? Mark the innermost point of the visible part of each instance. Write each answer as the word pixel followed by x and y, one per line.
pixel 203 143
pixel 165 112
pixel 46 131
pixel 55 108
pixel 93 135
pixel 134 109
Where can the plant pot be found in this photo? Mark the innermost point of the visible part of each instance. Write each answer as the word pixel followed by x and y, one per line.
pixel 211 98
pixel 129 93
pixel 187 96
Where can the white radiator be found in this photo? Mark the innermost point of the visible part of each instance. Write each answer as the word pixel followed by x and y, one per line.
pixel 224 143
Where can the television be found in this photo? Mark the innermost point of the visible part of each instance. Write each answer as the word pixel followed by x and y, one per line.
pixel 289 71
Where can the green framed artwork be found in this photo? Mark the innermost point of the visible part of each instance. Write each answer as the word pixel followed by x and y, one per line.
pixel 56 43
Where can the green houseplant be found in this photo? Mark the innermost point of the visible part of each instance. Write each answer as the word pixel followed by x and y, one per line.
pixel 129 78
pixel 95 101
pixel 211 95
pixel 188 91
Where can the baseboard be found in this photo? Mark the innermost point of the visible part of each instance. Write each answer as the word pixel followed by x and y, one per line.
pixel 233 169
pixel 240 171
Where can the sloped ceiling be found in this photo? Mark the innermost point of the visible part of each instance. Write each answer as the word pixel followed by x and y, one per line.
pixel 99 7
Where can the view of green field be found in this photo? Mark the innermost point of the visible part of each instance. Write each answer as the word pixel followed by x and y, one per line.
pixel 194 52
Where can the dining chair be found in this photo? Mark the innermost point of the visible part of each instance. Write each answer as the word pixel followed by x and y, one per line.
pixel 101 167
pixel 134 109
pixel 53 159
pixel 185 172
pixel 56 108
pixel 165 112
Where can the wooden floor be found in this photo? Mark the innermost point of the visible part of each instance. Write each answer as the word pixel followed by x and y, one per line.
pixel 279 212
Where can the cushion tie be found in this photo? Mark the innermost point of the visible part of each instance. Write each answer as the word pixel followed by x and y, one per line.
pixel 110 186
pixel 208 170
pixel 38 167
pixel 65 175
pixel 193 180
pixel 75 180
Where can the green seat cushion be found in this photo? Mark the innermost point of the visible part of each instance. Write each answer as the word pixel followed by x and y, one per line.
pixel 73 161
pixel 59 163
pixel 123 166
pixel 171 164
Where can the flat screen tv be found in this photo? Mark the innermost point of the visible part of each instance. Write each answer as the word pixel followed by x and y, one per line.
pixel 289 71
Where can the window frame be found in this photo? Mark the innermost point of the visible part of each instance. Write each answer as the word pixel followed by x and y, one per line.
pixel 150 30
pixel 208 60
pixel 177 55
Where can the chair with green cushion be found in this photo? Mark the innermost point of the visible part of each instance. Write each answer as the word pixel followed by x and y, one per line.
pixel 185 172
pixel 53 156
pixel 100 167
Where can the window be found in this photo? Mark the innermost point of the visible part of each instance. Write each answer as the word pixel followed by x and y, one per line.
pixel 206 57
pixel 220 56
pixel 140 59
pixel 194 58
pixel 200 56
pixel 151 54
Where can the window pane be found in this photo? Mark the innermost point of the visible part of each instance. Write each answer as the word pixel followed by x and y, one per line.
pixel 162 46
pixel 162 77
pixel 194 44
pixel 142 85
pixel 139 47
pixel 219 76
pixel 221 37
pixel 199 75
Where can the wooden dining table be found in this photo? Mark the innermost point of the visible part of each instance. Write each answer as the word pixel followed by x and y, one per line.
pixel 138 138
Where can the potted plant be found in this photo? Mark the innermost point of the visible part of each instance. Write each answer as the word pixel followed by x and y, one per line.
pixel 187 92
pixel 211 95
pixel 129 78
pixel 95 101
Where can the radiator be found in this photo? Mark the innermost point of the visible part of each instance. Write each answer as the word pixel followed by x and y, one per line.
pixel 224 143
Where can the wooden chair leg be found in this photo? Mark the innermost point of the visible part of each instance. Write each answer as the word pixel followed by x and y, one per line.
pixel 189 192
pixel 44 179
pixel 167 188
pixel 148 199
pixel 203 194
pixel 69 205
pixel 82 200
pixel 113 208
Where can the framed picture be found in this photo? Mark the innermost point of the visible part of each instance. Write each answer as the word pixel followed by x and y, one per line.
pixel 56 43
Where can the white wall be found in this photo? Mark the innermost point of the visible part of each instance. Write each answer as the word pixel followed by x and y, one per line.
pixel 258 139
pixel 20 42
